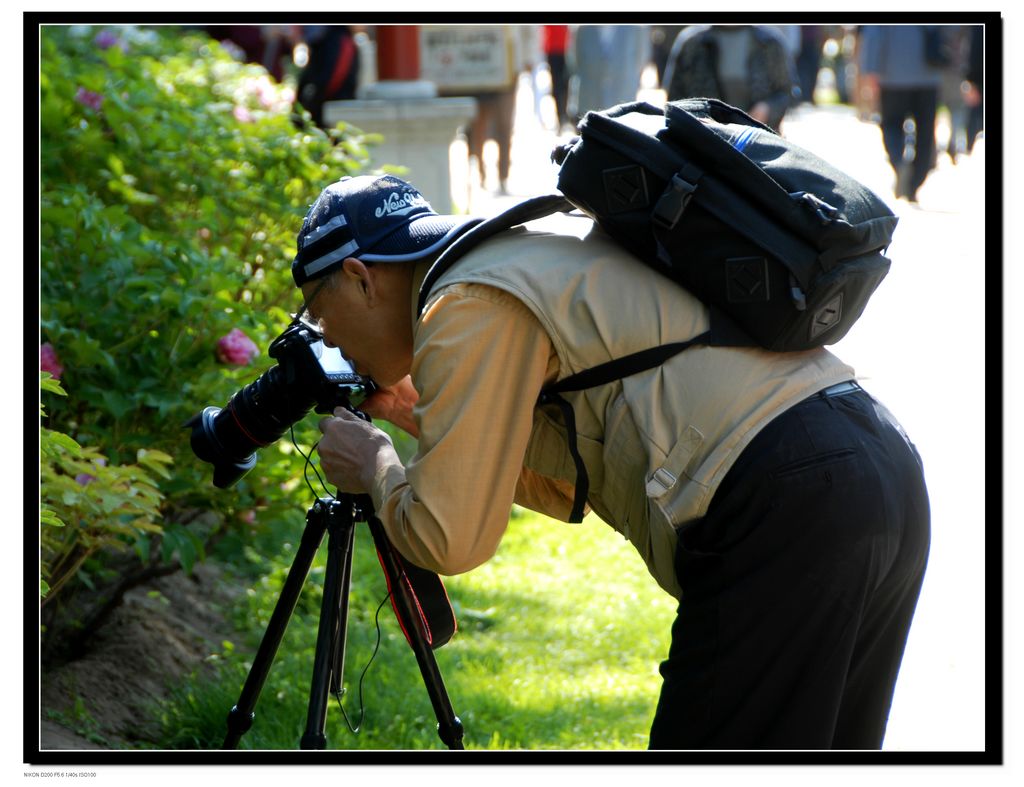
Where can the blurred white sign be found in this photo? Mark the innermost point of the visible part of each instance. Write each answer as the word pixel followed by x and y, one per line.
pixel 464 59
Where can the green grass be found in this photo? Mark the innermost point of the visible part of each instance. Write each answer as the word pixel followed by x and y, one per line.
pixel 559 640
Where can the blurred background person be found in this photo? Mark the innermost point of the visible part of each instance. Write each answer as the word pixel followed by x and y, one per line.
pixel 901 70
pixel 332 70
pixel 608 63
pixel 972 87
pixel 790 37
pixel 839 51
pixel 747 66
pixel 662 38
pixel 808 61
pixel 268 45
pixel 950 93
pixel 554 40
pixel 496 108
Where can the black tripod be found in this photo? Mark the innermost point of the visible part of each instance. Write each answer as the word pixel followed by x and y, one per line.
pixel 337 518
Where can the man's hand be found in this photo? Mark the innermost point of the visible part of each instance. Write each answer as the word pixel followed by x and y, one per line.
pixel 394 405
pixel 352 451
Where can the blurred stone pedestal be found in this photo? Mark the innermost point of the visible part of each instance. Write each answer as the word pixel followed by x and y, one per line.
pixel 418 131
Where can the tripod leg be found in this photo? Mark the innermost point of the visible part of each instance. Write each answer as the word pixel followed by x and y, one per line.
pixel 241 716
pixel 329 656
pixel 449 727
pixel 338 647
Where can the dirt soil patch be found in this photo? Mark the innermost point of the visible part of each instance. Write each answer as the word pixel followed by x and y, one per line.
pixel 160 634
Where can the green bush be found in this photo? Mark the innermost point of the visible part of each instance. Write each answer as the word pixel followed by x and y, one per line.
pixel 173 183
pixel 89 505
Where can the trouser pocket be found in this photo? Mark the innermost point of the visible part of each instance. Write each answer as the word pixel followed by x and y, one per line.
pixel 809 462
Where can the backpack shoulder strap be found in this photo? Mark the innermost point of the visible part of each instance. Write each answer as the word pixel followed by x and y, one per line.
pixel 528 210
pixel 590 378
pixel 722 332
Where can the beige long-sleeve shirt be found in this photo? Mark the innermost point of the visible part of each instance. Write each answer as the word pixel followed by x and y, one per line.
pixel 481 358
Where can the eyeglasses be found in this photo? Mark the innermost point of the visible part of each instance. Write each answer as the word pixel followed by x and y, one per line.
pixel 304 309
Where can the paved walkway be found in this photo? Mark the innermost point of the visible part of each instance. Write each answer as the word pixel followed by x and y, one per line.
pixel 920 348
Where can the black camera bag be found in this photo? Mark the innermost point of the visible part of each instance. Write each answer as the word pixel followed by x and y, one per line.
pixel 784 248
pixel 777 238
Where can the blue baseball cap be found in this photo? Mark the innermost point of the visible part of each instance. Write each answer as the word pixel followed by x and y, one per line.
pixel 375 218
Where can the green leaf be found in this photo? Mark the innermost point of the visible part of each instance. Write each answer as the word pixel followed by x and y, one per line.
pixel 172 538
pixel 170 297
pixel 109 501
pixel 63 441
pixel 116 165
pixel 47 382
pixel 142 547
pixel 70 497
pixel 181 542
pixel 154 460
pixel 117 403
pixel 88 351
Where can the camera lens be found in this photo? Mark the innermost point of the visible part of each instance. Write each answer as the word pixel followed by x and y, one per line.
pixel 255 416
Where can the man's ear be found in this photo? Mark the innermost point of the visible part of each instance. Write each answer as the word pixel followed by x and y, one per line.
pixel 359 276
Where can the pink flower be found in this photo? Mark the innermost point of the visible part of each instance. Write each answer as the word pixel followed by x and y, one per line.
pixel 270 95
pixel 242 115
pixel 89 98
pixel 236 348
pixel 248 516
pixel 48 361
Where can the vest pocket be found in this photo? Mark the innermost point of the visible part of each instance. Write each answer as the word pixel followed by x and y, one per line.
pixel 547 452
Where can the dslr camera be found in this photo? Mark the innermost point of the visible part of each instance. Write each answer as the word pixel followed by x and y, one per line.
pixel 308 375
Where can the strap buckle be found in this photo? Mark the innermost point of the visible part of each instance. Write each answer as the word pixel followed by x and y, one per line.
pixel 672 203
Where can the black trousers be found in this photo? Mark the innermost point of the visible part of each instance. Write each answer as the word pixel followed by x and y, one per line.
pixel 799 586
pixel 896 105
pixel 559 86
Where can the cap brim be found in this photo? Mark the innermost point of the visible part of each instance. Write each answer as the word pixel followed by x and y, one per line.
pixel 420 238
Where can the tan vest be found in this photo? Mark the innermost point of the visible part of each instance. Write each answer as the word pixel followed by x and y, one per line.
pixel 656 444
